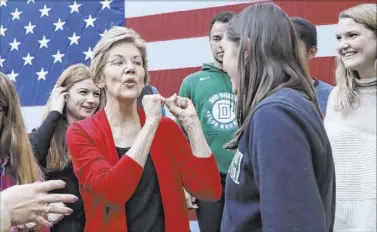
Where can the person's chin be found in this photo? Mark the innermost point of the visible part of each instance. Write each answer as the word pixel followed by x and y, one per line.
pixel 85 115
pixel 128 97
pixel 352 64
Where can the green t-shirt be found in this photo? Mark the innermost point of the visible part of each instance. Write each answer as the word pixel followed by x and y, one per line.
pixel 210 90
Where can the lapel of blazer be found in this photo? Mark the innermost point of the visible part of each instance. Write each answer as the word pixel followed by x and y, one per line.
pixel 103 125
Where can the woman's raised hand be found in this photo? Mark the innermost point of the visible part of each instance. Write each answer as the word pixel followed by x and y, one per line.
pixel 183 109
pixel 152 105
pixel 58 99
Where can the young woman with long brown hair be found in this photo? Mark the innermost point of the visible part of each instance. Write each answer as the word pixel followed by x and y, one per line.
pixel 18 164
pixel 282 175
pixel 75 97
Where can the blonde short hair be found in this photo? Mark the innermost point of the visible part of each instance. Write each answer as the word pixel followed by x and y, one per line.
pixel 115 35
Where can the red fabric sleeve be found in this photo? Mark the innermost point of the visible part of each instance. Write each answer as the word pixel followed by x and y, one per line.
pixel 200 176
pixel 115 183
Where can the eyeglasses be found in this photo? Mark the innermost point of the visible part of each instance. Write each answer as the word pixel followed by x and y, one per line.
pixel 122 62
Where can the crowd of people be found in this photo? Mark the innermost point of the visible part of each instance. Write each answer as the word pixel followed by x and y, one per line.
pixel 256 144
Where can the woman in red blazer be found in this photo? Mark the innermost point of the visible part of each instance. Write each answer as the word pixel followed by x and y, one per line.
pixel 132 164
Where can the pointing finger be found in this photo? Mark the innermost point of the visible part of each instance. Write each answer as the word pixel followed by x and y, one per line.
pixel 50 185
pixel 53 198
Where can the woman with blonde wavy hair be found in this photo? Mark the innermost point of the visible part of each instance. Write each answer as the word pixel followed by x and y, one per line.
pixel 132 163
pixel 18 164
pixel 351 119
pixel 74 97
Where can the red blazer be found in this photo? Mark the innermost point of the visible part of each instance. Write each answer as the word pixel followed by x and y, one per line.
pixel 107 182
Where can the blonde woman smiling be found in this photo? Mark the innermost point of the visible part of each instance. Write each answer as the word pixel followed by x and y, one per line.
pixel 351 120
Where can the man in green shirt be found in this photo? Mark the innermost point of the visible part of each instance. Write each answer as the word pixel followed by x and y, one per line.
pixel 210 90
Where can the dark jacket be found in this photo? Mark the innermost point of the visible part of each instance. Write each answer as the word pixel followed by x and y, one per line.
pixel 40 140
pixel 282 177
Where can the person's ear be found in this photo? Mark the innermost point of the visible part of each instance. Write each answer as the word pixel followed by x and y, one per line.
pixel 312 52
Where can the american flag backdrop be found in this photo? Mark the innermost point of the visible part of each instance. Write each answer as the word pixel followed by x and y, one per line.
pixel 40 38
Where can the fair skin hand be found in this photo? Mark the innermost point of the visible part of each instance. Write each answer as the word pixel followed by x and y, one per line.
pixel 53 218
pixel 58 99
pixel 31 202
pixel 153 107
pixel 190 200
pixel 183 109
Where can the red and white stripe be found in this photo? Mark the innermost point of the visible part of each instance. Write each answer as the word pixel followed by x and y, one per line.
pixel 177 34
pixel 177 37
